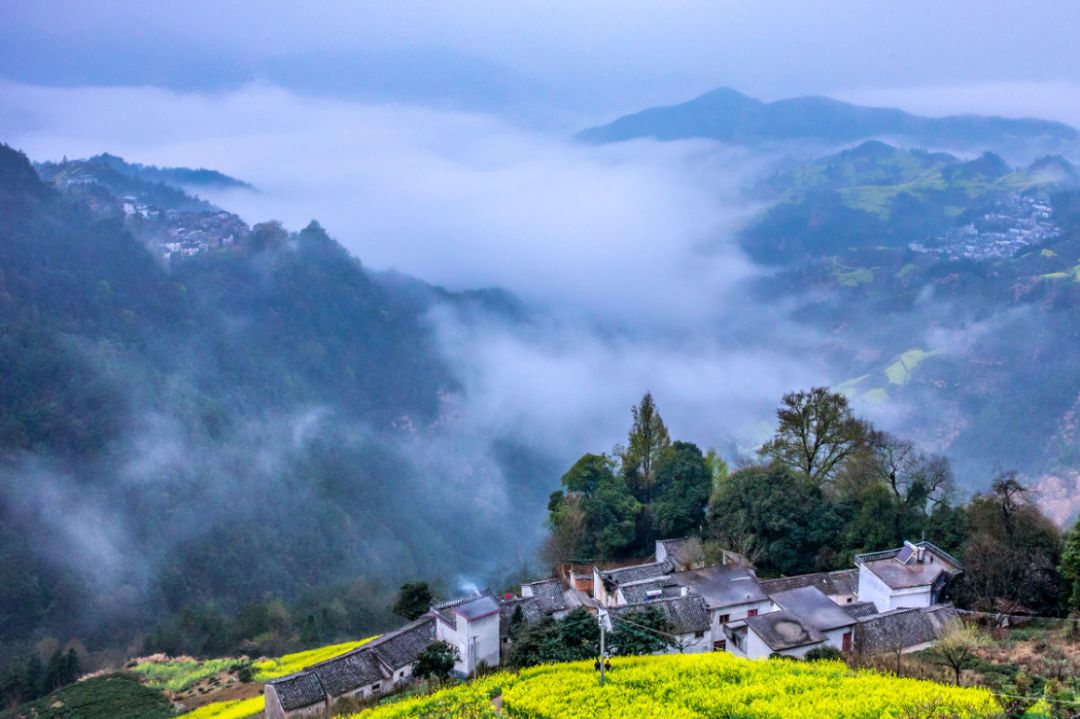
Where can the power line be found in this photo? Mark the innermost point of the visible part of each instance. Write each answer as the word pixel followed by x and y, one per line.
pixel 641 626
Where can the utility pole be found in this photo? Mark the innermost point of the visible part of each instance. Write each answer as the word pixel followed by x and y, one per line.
pixel 604 621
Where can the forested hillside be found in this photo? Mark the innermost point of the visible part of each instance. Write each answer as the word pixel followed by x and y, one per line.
pixel 227 432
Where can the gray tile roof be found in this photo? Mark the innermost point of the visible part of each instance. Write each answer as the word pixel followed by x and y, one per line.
pixel 347 673
pixel 723 586
pixel 813 608
pixel 401 647
pixel 549 594
pixel 636 573
pixel 472 606
pixel 687 615
pixel 845 581
pixel 783 630
pixel 900 569
pixel 298 690
pixel 530 608
pixel 685 551
pixel 860 609
pixel 639 591
pixel 898 629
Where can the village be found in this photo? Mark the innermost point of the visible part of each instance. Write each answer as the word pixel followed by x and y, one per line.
pixel 1021 220
pixel 891 602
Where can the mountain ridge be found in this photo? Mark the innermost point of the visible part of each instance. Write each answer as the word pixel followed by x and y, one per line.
pixel 726 114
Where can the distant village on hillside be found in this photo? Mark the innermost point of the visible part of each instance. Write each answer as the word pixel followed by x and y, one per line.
pixel 892 602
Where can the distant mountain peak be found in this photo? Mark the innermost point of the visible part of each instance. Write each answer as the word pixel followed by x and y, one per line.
pixel 728 115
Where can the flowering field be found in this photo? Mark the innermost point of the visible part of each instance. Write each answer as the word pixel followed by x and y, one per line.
pixel 272 668
pixel 702 686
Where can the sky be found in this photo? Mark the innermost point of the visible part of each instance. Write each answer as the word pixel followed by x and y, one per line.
pixel 559 61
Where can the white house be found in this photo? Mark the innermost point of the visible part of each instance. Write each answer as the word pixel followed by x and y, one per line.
pixel 912 576
pixel 606 583
pixel 731 592
pixel 470 624
pixel 763 635
pixel 687 616
pixel 840 586
pixel 818 612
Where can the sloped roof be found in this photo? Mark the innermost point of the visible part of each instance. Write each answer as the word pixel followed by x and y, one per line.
pixel 530 609
pixel 637 592
pixel 845 581
pixel 301 689
pixel 783 630
pixel 637 572
pixel 723 586
pixel 472 606
pixel 813 608
pixel 860 609
pixel 548 594
pixel 897 629
pixel 684 551
pixel 349 672
pixel 401 647
pixel 687 615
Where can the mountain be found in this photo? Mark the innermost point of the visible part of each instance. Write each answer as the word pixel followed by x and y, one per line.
pixel 729 116
pixel 257 419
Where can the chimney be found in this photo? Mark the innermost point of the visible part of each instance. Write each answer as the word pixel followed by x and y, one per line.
pixel 921 554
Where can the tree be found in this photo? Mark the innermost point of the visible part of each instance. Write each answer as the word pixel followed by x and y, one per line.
pixel 642 632
pixel 573 638
pixel 648 438
pixel 815 435
pixel 437 660
pixel 414 600
pixel 1070 565
pixel 957 647
pixel 596 516
pixel 784 519
pixel 1013 551
pixel 682 485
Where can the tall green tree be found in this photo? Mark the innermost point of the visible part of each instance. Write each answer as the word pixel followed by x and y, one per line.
pixel 642 632
pixel 682 487
pixel 815 434
pixel 648 438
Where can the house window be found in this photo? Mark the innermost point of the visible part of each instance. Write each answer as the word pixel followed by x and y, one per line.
pixel 376 687
pixel 698 635
pixel 846 642
pixel 752 613
pixel 720 646
pixel 724 618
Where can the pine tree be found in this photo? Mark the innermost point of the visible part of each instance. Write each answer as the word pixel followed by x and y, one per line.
pixel 1070 565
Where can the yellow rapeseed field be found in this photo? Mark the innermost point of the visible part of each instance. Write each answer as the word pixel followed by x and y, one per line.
pixel 698 686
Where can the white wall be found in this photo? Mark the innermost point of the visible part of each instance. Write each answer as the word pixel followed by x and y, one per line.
pixel 873 589
pixel 738 611
pixel 483 634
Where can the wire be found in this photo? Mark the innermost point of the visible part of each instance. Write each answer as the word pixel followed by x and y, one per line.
pixel 641 626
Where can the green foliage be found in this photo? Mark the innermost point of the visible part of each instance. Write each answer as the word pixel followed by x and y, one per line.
pixel 179 674
pixel 574 637
pixel 824 653
pixel 596 518
pixel 816 433
pixel 1070 565
pixel 115 696
pixel 681 488
pixel 648 438
pixel 414 599
pixel 645 635
pixel 437 660
pixel 787 520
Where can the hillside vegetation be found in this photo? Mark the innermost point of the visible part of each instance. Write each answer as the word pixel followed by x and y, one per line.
pixel 701 685
pixel 115 696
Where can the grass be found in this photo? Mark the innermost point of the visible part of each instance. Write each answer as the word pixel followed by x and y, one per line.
pixel 113 696
pixel 179 674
